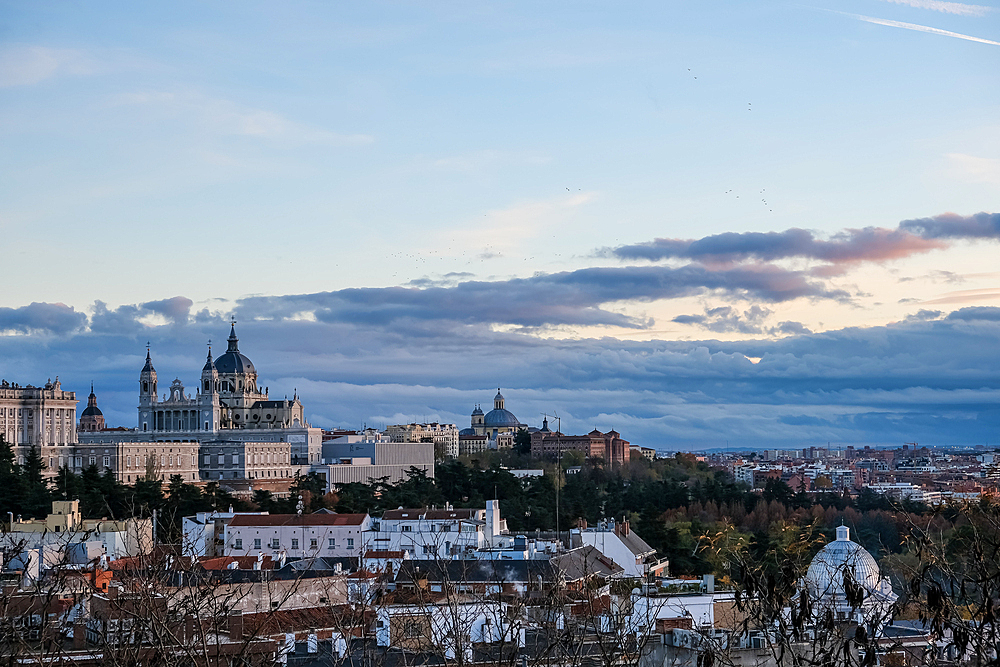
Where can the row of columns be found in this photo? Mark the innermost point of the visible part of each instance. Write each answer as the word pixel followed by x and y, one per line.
pixel 176 420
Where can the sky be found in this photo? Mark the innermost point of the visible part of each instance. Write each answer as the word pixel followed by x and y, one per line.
pixel 708 224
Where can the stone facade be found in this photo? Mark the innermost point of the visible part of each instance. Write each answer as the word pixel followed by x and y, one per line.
pixel 228 415
pixel 41 417
pixel 131 461
pixel 445 435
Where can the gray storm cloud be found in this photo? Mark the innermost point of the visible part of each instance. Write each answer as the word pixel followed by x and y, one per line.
pixel 36 317
pixel 569 298
pixel 925 380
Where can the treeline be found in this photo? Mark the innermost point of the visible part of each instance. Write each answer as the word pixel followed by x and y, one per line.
pixel 678 505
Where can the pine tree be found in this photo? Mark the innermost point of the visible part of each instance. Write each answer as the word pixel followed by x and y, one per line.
pixel 10 480
pixel 36 499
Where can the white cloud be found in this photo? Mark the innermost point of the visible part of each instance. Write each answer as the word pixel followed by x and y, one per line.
pixel 946 7
pixel 26 65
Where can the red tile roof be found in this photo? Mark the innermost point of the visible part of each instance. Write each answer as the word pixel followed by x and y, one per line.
pixel 297 520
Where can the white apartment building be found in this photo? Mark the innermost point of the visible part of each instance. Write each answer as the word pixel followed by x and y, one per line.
pixel 440 434
pixel 298 535
pixel 204 533
pixel 440 533
pixel 619 543
pixel 907 491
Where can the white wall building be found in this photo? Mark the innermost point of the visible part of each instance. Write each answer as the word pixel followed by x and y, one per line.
pixel 298 536
pixel 618 542
pixel 440 533
pixel 204 534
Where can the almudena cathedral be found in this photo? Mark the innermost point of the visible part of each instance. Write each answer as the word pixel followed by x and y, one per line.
pixel 229 430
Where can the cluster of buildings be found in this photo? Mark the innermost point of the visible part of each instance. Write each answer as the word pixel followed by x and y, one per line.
pixel 910 472
pixel 229 429
pixel 421 584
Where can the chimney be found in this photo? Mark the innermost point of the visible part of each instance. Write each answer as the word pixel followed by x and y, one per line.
pixel 236 626
pixel 112 592
pixel 79 635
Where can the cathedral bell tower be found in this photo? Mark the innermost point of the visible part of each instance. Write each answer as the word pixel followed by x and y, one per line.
pixel 208 396
pixel 147 394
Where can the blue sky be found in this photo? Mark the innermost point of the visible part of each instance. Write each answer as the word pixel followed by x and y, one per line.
pixel 693 222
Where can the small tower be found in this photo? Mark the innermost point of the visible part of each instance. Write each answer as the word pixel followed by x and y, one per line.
pixel 147 394
pixel 92 419
pixel 208 397
pixel 498 400
pixel 477 420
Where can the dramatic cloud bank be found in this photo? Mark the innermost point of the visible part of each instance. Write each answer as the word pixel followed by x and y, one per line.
pixel 572 297
pixel 931 379
pixel 434 348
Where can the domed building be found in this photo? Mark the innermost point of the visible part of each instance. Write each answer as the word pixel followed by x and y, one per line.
pixel 844 566
pixel 92 419
pixel 499 425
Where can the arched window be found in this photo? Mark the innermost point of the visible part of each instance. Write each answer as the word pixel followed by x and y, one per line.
pixel 145 387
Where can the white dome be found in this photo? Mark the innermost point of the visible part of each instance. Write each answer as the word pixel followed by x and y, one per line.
pixel 825 577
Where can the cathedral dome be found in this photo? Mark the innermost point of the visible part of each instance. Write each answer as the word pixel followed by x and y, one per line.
pixel 92 411
pixel 233 361
pixel 825 576
pixel 501 418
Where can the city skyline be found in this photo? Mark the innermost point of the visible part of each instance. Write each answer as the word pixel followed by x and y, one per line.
pixel 765 224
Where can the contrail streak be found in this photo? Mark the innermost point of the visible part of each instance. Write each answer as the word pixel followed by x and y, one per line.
pixel 946 7
pixel 920 28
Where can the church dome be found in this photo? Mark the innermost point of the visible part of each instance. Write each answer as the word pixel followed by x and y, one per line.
pixel 467 431
pixel 825 576
pixel 233 361
pixel 501 418
pixel 92 411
